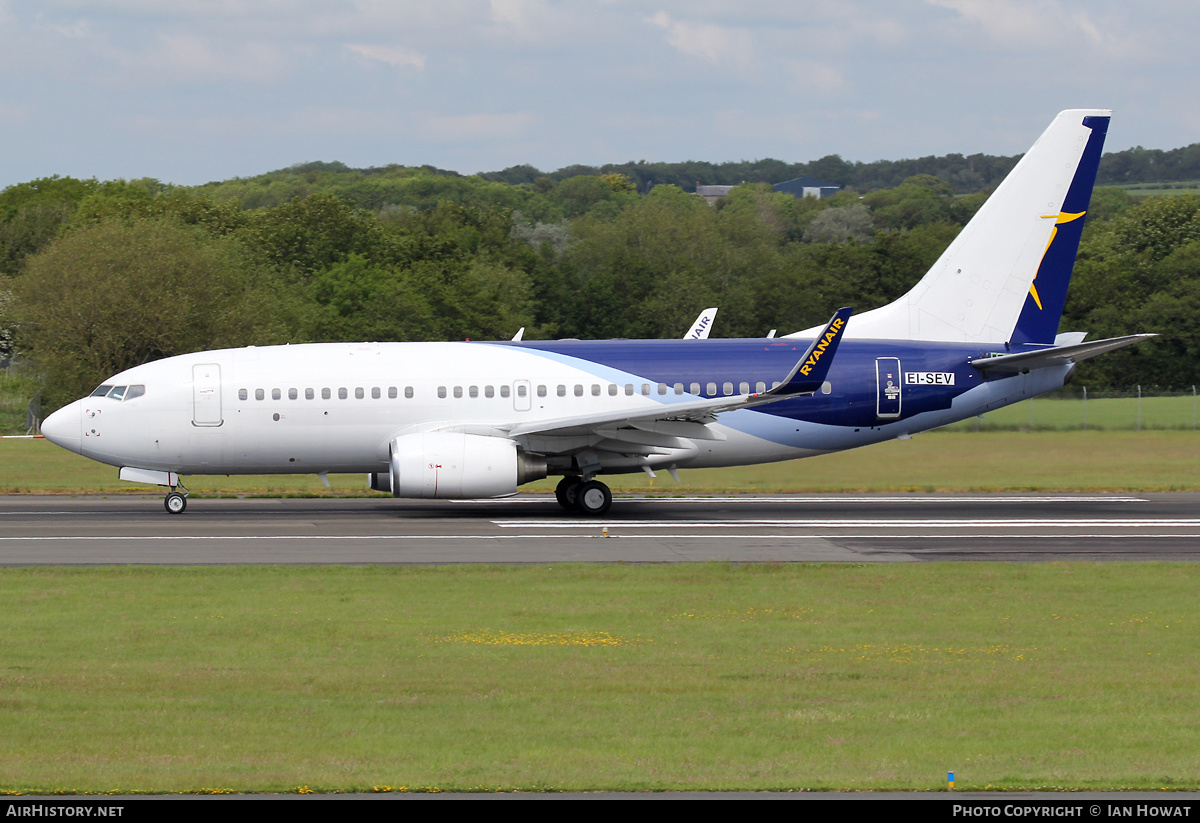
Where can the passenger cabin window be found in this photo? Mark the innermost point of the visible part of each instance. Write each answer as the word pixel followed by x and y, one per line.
pixel 744 388
pixel 728 389
pixel 293 394
pixel 489 391
pixel 695 389
pixel 243 394
pixel 458 391
pixel 473 391
pixel 442 392
pixel 578 390
pixel 408 391
pixel 342 393
pixel 309 394
pixel 359 394
pixel 259 394
pixel 662 388
pixel 392 392
pixel 712 390
pixel 562 390
pixel 506 391
pixel 326 394
pixel 375 393
pixel 276 394
pixel 679 388
pixel 612 389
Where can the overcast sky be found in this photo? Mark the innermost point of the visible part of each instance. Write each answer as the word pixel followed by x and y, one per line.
pixel 189 91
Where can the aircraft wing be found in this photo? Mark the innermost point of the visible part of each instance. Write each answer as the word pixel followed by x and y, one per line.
pixel 1055 355
pixel 805 378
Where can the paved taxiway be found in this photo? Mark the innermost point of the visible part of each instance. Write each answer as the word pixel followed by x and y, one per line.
pixel 533 529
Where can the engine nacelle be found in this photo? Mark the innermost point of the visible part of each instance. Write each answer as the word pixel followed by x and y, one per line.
pixel 452 464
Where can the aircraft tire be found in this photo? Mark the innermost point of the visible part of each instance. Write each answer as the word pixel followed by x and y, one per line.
pixel 594 498
pixel 567 492
pixel 175 503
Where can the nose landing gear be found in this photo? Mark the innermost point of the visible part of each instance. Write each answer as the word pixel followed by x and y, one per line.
pixel 176 502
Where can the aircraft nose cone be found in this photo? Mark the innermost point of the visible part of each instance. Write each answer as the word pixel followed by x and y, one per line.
pixel 63 428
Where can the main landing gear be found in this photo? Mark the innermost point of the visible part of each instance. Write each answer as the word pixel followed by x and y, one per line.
pixel 577 495
pixel 175 502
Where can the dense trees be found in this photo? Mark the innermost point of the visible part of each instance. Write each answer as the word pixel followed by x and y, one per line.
pixel 96 277
pixel 118 293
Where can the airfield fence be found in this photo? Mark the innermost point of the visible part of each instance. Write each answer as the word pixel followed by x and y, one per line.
pixel 1077 409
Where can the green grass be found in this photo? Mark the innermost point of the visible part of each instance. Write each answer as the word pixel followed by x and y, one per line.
pixel 1163 188
pixel 937 461
pixel 600 677
pixel 1068 413
pixel 15 393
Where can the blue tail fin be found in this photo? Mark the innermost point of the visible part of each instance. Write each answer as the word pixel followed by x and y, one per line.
pixel 1043 307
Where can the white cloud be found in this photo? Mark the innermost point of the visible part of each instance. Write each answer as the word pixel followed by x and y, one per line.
pixel 395 57
pixel 1024 24
pixel 817 78
pixel 473 127
pixel 719 45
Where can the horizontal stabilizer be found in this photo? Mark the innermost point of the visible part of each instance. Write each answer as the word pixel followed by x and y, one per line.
pixel 1054 356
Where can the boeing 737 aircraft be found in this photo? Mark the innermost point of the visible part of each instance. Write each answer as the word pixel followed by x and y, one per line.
pixel 478 419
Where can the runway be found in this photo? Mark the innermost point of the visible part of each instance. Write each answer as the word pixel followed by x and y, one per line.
pixel 40 530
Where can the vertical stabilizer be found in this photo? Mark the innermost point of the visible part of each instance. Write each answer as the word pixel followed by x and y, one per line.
pixel 1005 277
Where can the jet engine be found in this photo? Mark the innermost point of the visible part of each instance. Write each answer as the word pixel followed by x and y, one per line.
pixel 453 464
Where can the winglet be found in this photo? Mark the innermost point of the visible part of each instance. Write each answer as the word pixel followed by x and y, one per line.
pixel 810 371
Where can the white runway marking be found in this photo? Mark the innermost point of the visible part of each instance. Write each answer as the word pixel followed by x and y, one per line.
pixel 836 498
pixel 659 536
pixel 848 524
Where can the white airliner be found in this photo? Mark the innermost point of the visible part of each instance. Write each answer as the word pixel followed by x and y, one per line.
pixel 478 419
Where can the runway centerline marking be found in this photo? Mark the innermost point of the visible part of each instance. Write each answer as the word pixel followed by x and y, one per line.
pixel 835 498
pixel 851 524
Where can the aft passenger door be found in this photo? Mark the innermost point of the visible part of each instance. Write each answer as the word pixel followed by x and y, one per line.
pixel 887 387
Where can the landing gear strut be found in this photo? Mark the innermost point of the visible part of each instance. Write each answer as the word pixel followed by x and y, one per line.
pixel 175 502
pixel 590 497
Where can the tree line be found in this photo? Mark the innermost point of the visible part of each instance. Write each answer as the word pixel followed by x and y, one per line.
pixel 101 276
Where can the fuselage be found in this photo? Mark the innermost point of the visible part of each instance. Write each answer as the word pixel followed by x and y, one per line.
pixel 337 407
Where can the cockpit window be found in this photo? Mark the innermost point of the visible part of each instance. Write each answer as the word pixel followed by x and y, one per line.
pixel 117 393
pixel 101 391
pixel 135 391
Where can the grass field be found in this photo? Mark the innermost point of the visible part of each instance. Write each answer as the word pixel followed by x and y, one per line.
pixel 1062 412
pixel 936 461
pixel 266 679
pixel 600 677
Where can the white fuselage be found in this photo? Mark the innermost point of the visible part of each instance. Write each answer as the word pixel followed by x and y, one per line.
pixel 338 408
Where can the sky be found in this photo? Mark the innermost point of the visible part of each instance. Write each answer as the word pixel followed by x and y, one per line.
pixel 189 91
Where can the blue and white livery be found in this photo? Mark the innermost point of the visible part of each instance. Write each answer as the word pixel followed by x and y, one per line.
pixel 471 420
